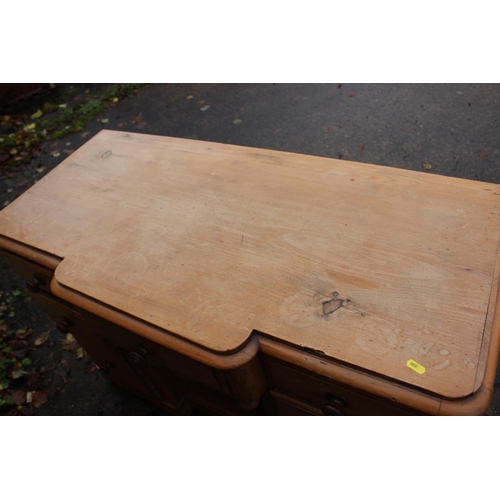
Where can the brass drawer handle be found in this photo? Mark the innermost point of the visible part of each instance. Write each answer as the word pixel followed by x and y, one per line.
pixel 332 411
pixel 136 358
pixel 106 368
pixel 34 285
pixel 337 401
pixel 63 327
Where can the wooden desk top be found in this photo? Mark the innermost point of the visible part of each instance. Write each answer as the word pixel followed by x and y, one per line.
pixel 372 266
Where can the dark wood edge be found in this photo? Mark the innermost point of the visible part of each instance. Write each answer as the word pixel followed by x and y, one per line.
pixel 157 335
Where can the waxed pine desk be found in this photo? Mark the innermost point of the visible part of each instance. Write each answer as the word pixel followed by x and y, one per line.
pixel 245 281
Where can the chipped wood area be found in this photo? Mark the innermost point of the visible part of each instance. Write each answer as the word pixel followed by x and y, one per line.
pixel 369 265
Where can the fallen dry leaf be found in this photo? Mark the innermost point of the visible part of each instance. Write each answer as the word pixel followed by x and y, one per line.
pixel 137 119
pixel 92 369
pixel 42 338
pixel 204 108
pixel 39 169
pixel 115 99
pixel 39 398
pixel 22 333
pixel 63 106
pixel 104 120
pixel 29 397
pixel 483 155
pixel 237 121
pixel 426 165
pixel 55 154
pixel 21 350
pixel 79 353
pixel 34 379
pixel 18 374
pixel 69 343
pixel 84 134
pixel 19 397
pixel 36 115
pixel 189 96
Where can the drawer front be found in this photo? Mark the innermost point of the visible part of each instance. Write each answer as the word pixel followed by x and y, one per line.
pixel 328 397
pixel 112 364
pixel 286 406
pixel 66 318
pixel 36 278
pixel 147 355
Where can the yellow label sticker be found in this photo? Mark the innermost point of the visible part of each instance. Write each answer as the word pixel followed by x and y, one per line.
pixel 417 367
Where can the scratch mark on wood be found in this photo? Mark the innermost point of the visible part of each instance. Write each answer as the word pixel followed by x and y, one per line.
pixel 106 154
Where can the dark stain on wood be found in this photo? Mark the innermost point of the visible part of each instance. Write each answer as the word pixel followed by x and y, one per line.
pixel 313 351
pixel 332 305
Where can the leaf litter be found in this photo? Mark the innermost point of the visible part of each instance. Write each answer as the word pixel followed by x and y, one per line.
pixel 27 382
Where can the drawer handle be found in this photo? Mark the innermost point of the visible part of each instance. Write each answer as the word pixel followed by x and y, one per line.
pixel 337 401
pixel 34 285
pixel 136 358
pixel 63 327
pixel 332 411
pixel 106 368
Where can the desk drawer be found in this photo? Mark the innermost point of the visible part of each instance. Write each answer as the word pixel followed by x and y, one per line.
pixel 326 396
pixel 36 277
pixel 286 406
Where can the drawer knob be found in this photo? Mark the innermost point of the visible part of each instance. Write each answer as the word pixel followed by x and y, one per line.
pixel 64 325
pixel 105 368
pixel 136 358
pixel 332 411
pixel 34 285
pixel 337 401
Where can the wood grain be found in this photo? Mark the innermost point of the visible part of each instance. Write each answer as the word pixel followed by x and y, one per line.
pixel 371 266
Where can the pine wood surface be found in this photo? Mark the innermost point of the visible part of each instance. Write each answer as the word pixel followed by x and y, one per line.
pixel 371 266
